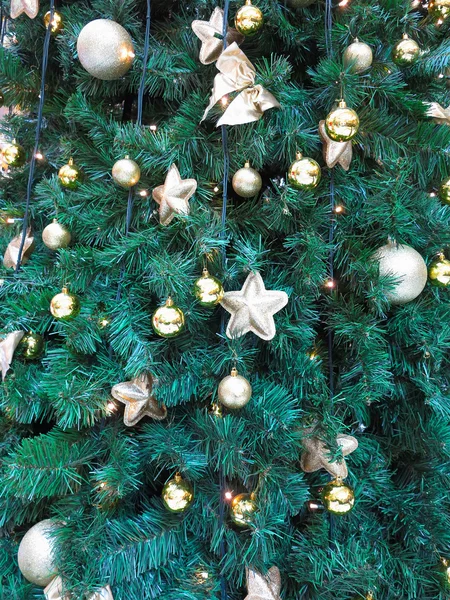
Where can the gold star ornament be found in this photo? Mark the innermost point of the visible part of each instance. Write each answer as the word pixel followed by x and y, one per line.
pixel 173 197
pixel 138 399
pixel 210 34
pixel 335 152
pixel 252 308
pixel 263 587
pixel 8 345
pixel 29 7
pixel 439 114
pixel 317 456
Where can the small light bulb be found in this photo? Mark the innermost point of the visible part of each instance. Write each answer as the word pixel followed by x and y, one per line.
pixel 439 21
pixel 432 194
pixel 143 193
pixel 204 574
pixel 39 155
pixel 224 100
pixel 441 76
pixel 153 128
pixel 216 189
pixel 338 209
pixel 111 406
pixel 343 3
pixel 228 495
pixel 2 281
pixel 10 220
pixel 313 356
pixel 330 284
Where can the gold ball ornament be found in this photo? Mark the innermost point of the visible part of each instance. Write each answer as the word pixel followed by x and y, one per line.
pixel 304 173
pixel 70 175
pixel 177 494
pixel 338 498
pixel 405 52
pixel 439 9
pixel 249 19
pixel 242 509
pixel 342 123
pixel 234 391
pixel 208 290
pixel 13 155
pixel 56 236
pixel 444 569
pixel 35 555
pixel 405 265
pixel 56 21
pixel 31 346
pixel 247 182
pixel 358 57
pixel 105 49
pixel 126 172
pixel 168 320
pixel 65 306
pixel 439 271
pixel 444 191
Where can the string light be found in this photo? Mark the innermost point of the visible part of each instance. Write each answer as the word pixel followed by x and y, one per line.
pixel 153 127
pixel 330 284
pixel 143 193
pixel 439 22
pixel 441 76
pixel 343 3
pixel 228 496
pixel 313 355
pixel 39 155
pixel 111 406
pixel 432 194
pixel 339 209
pixel 224 100
pixel 216 189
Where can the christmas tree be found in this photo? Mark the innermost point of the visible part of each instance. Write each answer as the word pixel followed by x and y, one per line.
pixel 225 323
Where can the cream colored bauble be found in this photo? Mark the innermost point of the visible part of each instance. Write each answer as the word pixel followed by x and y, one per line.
pixel 35 554
pixel 56 236
pixel 358 57
pixel 234 391
pixel 126 172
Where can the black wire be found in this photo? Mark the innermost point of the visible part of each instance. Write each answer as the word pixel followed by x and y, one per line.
pixel 38 134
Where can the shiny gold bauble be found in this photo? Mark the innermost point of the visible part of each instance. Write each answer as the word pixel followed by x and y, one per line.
pixel 56 236
pixel 358 57
pixel 242 509
pixel 439 9
pixel 338 498
pixel 35 555
pixel 304 173
pixel 56 21
pixel 439 271
pixel 168 320
pixel 234 391
pixel 247 182
pixel 177 494
pixel 65 306
pixel 444 569
pixel 208 290
pixel 105 49
pixel 13 155
pixel 342 123
pixel 126 172
pixel 249 19
pixel 405 265
pixel 70 175
pixel 444 191
pixel 30 346
pixel 405 52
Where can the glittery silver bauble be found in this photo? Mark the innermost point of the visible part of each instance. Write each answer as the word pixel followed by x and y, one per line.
pixel 35 554
pixel 105 49
pixel 407 266
pixel 56 236
pixel 358 57
pixel 247 182
pixel 234 391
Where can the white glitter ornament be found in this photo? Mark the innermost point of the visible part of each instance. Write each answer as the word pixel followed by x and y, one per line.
pixel 35 554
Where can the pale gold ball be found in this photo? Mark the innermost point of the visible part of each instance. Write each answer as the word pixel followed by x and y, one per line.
pixel 249 19
pixel 105 49
pixel 65 306
pixel 168 320
pixel 247 182
pixel 56 236
pixel 358 57
pixel 439 271
pixel 338 498
pixel 342 123
pixel 126 173
pixel 35 555
pixel 208 290
pixel 242 509
pixel 177 494
pixel 56 21
pixel 234 391
pixel 406 52
pixel 304 173
pixel 69 175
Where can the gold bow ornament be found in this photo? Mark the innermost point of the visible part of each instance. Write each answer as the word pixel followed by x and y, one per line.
pixel 11 256
pixel 29 7
pixel 54 591
pixel 439 114
pixel 237 74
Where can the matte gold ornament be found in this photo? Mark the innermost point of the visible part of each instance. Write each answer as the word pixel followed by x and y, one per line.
pixel 210 34
pixel 263 587
pixel 439 271
pixel 444 191
pixel 252 308
pixel 407 266
pixel 137 395
pixel 173 197
pixel 11 255
pixel 249 19
pixel 31 346
pixel 439 9
pixel 35 555
pixel 168 320
pixel 208 290
pixel 247 182
pixel 177 494
pixel 242 509
pixel 8 345
pixel 406 52
pixel 316 455
pixel 304 173
pixel 338 498
pixel 56 21
pixel 126 172
pixel 65 306
pixel 13 154
pixel 234 391
pixel 342 123
pixel 335 153
pixel 70 175
pixel 105 49
pixel 29 7
pixel 56 236
pixel 358 57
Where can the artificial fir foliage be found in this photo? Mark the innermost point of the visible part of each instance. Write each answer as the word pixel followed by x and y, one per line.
pixel 342 359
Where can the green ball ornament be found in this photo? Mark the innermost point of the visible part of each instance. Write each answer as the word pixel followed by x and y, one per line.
pixel 65 306
pixel 168 320
pixel 208 290
pixel 13 155
pixel 405 52
pixel 338 498
pixel 304 173
pixel 242 509
pixel 439 271
pixel 342 123
pixel 177 494
pixel 31 346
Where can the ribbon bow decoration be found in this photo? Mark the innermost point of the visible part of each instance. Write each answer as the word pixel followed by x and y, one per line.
pixel 54 591
pixel 440 115
pixel 238 74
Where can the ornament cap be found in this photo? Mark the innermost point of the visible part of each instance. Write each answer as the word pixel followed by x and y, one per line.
pixel 356 40
pixel 247 164
pixel 342 103
pixel 205 272
pixel 55 220
pixel 65 290
pixel 70 163
pixel 178 477
pixel 248 2
pixel 234 372
pixel 405 36
pixel 298 155
pixel 169 301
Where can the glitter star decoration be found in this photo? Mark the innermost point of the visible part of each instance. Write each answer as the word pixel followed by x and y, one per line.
pixel 210 34
pixel 8 346
pixel 252 308
pixel 439 114
pixel 29 7
pixel 335 152
pixel 263 587
pixel 173 196
pixel 317 456
pixel 138 399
